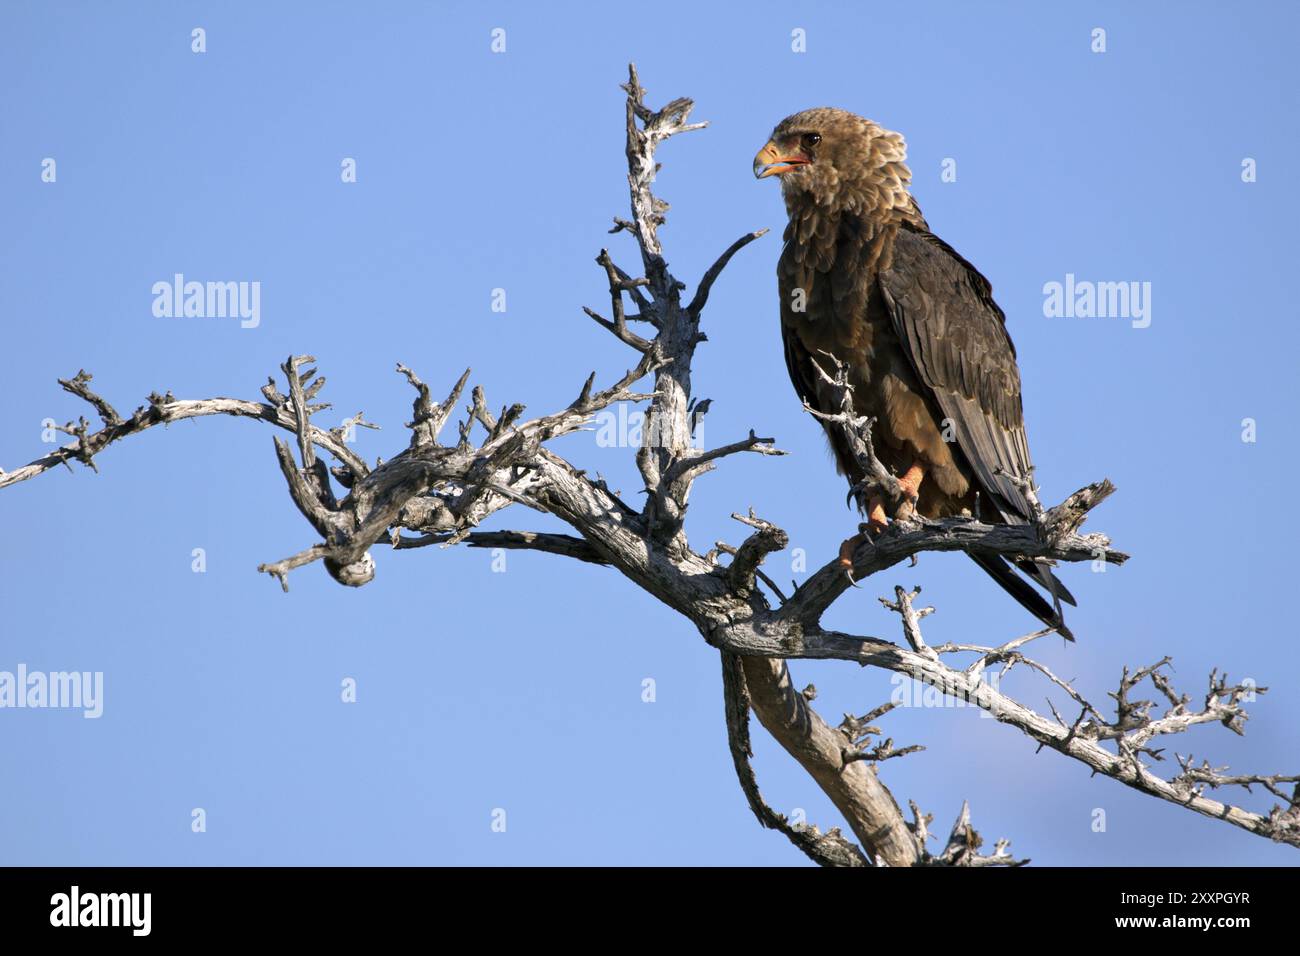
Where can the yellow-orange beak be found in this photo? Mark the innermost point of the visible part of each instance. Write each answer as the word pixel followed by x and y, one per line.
pixel 770 162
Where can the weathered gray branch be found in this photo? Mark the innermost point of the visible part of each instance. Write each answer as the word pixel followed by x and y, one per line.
pixel 163 410
pixel 562 544
pixel 828 849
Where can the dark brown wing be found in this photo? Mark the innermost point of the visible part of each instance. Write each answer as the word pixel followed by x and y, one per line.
pixel 955 337
pixel 829 328
pixel 825 279
pixel 811 388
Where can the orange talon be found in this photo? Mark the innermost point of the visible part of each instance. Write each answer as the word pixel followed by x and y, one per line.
pixel 911 485
pixel 847 548
pixel 877 521
pixel 911 481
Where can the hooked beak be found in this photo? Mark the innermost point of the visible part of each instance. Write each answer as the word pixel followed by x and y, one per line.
pixel 770 162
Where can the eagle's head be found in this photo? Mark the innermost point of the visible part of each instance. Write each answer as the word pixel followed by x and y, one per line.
pixel 837 160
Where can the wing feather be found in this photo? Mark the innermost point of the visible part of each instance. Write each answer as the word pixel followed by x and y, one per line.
pixel 956 340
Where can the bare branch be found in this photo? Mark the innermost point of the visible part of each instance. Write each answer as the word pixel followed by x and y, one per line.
pixel 79 385
pixel 765 539
pixel 164 409
pixel 964 843
pixel 902 540
pixel 691 466
pixel 829 849
pixel 854 789
pixel 911 619
pixel 300 406
pixel 562 544
pixel 715 270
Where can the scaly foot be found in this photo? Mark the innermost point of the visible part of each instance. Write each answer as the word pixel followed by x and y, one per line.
pixel 876 522
pixel 911 483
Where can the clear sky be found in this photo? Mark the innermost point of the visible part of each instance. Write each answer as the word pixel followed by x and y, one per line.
pixel 481 689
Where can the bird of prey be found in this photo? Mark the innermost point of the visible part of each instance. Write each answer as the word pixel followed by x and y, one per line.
pixel 865 284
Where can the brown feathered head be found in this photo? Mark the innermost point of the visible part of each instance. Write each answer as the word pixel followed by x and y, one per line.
pixel 839 161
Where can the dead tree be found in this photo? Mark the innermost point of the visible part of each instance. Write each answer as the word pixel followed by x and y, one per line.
pixel 440 492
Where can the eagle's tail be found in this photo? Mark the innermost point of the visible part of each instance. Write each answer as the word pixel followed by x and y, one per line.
pixel 1020 589
pixel 1043 574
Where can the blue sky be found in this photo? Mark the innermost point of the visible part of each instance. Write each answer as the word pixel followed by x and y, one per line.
pixel 522 690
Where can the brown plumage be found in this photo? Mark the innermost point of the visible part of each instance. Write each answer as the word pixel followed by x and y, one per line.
pixel 863 279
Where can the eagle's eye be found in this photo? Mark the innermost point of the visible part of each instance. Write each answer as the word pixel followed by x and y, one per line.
pixel 810 140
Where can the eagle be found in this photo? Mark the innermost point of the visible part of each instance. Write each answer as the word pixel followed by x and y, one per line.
pixel 866 287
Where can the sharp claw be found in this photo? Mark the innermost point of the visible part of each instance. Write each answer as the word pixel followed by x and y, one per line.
pixel 848 548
